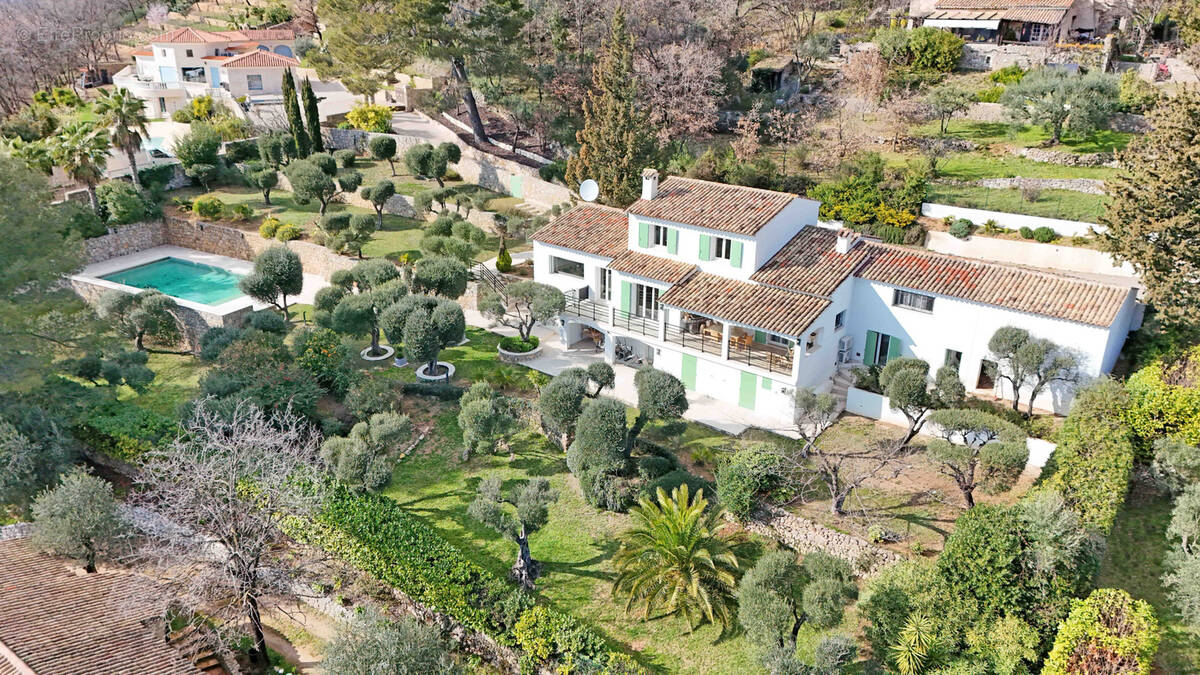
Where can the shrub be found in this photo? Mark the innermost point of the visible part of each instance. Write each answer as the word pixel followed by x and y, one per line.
pixel 504 261
pixel 1165 401
pixel 370 117
pixel 553 171
pixel 1008 74
pixel 288 232
pixel 1045 234
pixel 372 394
pixel 123 430
pixel 749 473
pixel 669 481
pixel 1137 95
pixel 512 343
pixel 653 467
pixel 268 228
pixel 321 354
pixel 208 206
pixel 961 228
pixel 241 212
pixel 989 94
pixel 182 116
pixel 345 158
pixel 1026 232
pixel 122 202
pixel 1030 193
pixel 1109 627
pixel 934 49
pixel 241 151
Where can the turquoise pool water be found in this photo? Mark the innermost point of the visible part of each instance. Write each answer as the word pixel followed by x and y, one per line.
pixel 183 279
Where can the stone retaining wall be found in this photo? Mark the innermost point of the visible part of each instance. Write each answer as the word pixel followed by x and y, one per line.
pixel 1089 186
pixel 123 241
pixel 1067 158
pixel 805 536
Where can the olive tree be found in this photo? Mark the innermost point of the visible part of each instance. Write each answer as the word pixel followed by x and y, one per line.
pixel 361 458
pixel 316 179
pixel 1025 361
pixel 769 598
pixel 368 644
pixel 978 449
pixel 355 303
pixel 277 274
pixel 264 179
pixel 487 418
pixel 660 396
pixel 134 316
pixel 34 451
pixel 1060 100
pixel 529 303
pixel 440 275
pixel 561 400
pixel 905 382
pixel 378 195
pixel 77 518
pixel 383 147
pixel 425 325
pixel 516 515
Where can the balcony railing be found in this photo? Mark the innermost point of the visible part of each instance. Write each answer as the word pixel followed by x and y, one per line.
pixel 770 359
pixel 591 310
pixel 642 325
pixel 705 344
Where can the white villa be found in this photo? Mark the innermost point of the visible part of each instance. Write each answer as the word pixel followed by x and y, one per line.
pixel 185 63
pixel 745 296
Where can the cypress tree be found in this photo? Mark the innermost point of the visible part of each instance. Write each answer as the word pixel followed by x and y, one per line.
pixel 292 107
pixel 1153 216
pixel 312 116
pixel 616 142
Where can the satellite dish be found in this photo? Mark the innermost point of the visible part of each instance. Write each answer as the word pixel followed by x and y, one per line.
pixel 589 190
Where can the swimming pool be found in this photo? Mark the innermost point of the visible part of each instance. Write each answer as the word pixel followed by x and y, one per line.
pixel 182 279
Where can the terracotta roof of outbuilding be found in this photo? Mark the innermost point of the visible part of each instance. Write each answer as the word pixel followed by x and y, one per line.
pixel 1035 14
pixel 55 620
pixel 810 263
pixel 728 208
pixel 771 309
pixel 654 267
pixel 267 34
pixel 197 36
pixel 143 52
pixel 1001 4
pixel 1024 290
pixel 260 58
pixel 591 228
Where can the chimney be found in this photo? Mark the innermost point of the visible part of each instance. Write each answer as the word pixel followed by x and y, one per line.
pixel 845 240
pixel 649 183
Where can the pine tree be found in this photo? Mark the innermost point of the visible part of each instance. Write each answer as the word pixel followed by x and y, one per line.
pixel 616 142
pixel 292 107
pixel 312 116
pixel 1153 217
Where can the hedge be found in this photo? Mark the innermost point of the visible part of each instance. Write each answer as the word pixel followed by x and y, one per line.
pixel 1109 627
pixel 1166 401
pixel 124 431
pixel 376 535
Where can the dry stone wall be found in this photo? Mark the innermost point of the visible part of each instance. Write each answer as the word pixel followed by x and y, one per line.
pixel 805 536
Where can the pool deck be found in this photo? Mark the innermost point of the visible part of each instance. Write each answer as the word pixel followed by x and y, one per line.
pixel 94 272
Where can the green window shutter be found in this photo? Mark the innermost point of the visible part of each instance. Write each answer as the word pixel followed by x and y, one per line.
pixel 869 352
pixel 705 247
pixel 766 383
pixel 688 372
pixel 893 347
pixel 672 241
pixel 627 296
pixel 644 235
pixel 760 337
pixel 735 254
pixel 746 390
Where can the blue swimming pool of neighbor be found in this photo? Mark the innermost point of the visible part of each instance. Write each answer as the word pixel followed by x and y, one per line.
pixel 182 279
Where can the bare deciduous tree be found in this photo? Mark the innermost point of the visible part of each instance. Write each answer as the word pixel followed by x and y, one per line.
pixel 681 85
pixel 217 496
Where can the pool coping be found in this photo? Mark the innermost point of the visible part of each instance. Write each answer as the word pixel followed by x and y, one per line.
pixel 94 272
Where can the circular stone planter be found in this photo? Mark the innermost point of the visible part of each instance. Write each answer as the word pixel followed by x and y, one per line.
pixel 387 354
pixel 424 377
pixel 518 357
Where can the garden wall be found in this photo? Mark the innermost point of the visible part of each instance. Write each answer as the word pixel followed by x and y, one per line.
pixel 1030 254
pixel 877 407
pixel 1012 221
pixel 804 536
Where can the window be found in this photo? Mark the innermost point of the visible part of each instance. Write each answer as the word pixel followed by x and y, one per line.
pixel 883 346
pixel 189 53
pixel 722 248
pixel 164 53
pixel 660 235
pixel 912 300
pixel 953 359
pixel 646 302
pixel 254 82
pixel 813 342
pixel 839 321
pixel 568 267
pixel 1039 32
pixel 605 283
pixel 193 75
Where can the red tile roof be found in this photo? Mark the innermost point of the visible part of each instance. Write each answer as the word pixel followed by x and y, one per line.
pixel 810 263
pixel 1024 290
pixel 143 52
pixel 591 228
pixel 651 267
pixel 196 36
pixel 728 208
pixel 260 58
pixel 60 622
pixel 1001 4
pixel 771 309
pixel 266 34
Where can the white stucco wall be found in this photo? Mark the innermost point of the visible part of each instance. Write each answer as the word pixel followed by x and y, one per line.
pixel 565 282
pixel 1011 221
pixel 722 381
pixel 1031 254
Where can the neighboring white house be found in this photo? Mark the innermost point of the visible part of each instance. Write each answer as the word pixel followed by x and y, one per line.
pixel 744 296
pixel 1010 21
pixel 186 63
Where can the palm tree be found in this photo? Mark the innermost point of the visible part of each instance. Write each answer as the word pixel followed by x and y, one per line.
pixel 82 151
pixel 126 115
pixel 675 560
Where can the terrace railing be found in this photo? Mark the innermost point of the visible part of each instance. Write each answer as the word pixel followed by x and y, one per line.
pixel 769 359
pixel 596 311
pixel 642 325
pixel 705 344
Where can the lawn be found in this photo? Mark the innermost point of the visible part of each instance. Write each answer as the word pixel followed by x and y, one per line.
pixel 1024 135
pixel 176 380
pixel 1064 204
pixel 978 165
pixel 1134 562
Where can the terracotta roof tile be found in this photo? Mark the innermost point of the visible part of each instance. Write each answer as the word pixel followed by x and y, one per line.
pixel 260 58
pixel 58 623
pixel 1016 288
pixel 1001 4
pixel 188 36
pixel 1035 15
pixel 590 228
pixel 771 309
pixel 266 34
pixel 651 267
pixel 810 263
pixel 728 208
pixel 143 52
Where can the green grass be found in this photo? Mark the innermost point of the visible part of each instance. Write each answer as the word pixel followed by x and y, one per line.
pixel 978 165
pixel 1134 562
pixel 1025 135
pixel 176 380
pixel 1064 204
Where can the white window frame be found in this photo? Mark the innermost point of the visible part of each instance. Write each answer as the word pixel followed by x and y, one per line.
pixel 251 87
pixel 659 235
pixel 920 302
pixel 839 320
pixel 780 340
pixel 605 283
pixel 722 248
pixel 555 267
pixel 645 301
pixel 1040 32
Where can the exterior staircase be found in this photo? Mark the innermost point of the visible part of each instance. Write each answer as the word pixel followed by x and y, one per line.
pixel 195 646
pixel 842 381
